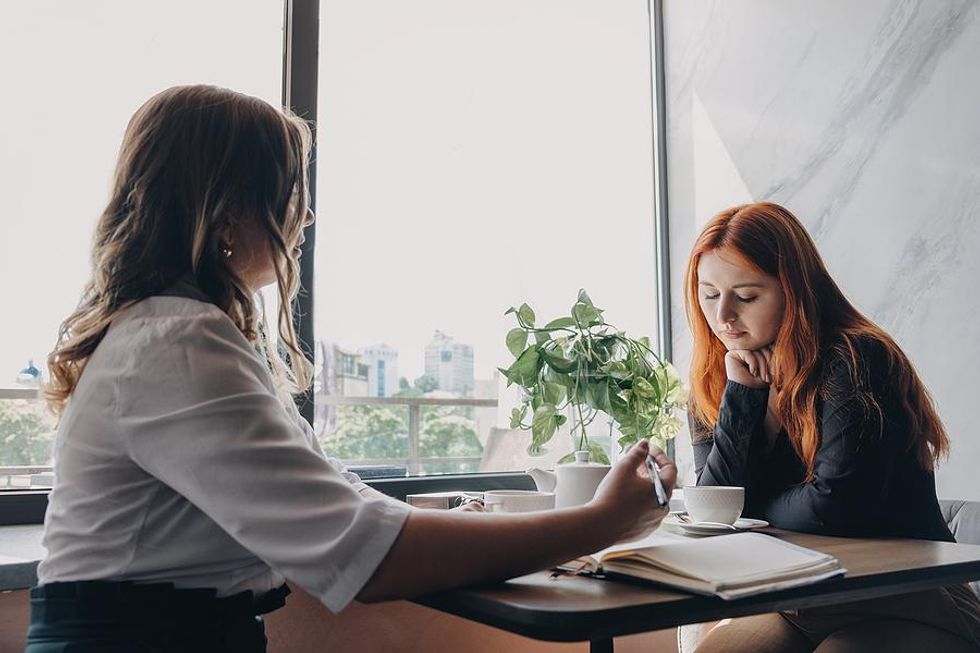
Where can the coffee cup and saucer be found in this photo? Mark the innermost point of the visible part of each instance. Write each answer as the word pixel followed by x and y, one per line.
pixel 713 510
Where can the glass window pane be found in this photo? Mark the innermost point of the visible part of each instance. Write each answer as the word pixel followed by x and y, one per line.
pixel 474 156
pixel 73 73
pixel 26 433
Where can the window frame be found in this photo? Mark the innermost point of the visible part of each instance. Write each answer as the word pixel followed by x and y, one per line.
pixel 299 93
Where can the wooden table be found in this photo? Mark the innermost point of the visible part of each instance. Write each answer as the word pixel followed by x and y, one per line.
pixel 576 608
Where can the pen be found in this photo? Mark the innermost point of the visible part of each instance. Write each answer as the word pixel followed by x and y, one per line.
pixel 658 486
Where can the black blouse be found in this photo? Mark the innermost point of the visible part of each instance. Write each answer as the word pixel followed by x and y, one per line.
pixel 867 479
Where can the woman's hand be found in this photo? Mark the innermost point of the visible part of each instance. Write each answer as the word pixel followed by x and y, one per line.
pixel 750 367
pixel 434 550
pixel 626 499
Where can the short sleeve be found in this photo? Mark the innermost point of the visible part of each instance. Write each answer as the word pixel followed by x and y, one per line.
pixel 351 477
pixel 197 411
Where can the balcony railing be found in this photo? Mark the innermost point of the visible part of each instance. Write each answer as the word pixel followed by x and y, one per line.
pixel 22 477
pixel 413 461
pixel 26 476
pixel 19 393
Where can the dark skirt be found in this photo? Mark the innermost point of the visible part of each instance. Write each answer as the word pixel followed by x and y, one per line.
pixel 113 617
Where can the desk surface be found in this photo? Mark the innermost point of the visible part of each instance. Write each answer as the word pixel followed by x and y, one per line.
pixel 575 608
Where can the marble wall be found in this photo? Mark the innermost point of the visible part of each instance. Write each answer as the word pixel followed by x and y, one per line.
pixel 863 118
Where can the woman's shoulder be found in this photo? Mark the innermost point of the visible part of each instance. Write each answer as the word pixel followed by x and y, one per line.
pixel 181 348
pixel 856 364
pixel 170 327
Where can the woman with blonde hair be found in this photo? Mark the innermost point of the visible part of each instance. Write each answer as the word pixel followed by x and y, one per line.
pixel 815 410
pixel 187 486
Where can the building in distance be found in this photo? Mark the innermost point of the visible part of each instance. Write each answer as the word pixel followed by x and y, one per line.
pixel 450 363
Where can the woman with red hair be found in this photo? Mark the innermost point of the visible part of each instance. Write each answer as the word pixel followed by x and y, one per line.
pixel 813 409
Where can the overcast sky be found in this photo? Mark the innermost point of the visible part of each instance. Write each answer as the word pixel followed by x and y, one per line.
pixel 472 156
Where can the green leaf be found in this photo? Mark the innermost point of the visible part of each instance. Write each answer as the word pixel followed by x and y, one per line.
pixel 517 416
pixel 643 389
pixel 541 337
pixel 619 409
pixel 560 420
pixel 526 314
pixel 557 361
pixel 658 384
pixel 567 458
pixel 598 453
pixel 549 375
pixel 585 314
pixel 543 426
pixel 560 323
pixel 618 370
pixel 599 395
pixel 626 440
pixel 516 341
pixel 553 393
pixel 583 297
pixel 604 349
pixel 566 380
pixel 524 371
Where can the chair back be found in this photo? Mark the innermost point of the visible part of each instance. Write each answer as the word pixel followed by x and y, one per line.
pixel 963 518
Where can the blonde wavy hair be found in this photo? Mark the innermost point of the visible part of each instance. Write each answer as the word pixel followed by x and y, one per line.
pixel 195 160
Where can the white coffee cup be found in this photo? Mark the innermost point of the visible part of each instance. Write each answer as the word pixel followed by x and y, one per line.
pixel 517 500
pixel 717 503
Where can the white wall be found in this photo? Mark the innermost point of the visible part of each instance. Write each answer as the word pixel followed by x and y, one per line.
pixel 861 118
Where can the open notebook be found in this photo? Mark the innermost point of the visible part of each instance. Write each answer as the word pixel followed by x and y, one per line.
pixel 729 566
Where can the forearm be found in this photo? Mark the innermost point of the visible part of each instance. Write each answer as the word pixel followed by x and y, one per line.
pixel 438 549
pixel 731 457
pixel 814 507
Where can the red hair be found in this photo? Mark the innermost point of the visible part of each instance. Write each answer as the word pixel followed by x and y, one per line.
pixel 818 317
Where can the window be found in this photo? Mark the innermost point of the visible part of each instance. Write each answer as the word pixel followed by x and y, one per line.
pixel 486 155
pixel 73 74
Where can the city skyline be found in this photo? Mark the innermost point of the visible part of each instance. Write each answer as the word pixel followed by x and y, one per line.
pixel 455 374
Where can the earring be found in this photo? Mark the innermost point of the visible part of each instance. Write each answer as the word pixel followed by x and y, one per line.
pixel 226 251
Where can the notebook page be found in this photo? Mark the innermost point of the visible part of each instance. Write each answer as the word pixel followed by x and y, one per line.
pixel 728 559
pixel 656 538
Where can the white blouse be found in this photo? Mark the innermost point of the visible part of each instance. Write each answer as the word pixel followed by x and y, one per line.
pixel 175 461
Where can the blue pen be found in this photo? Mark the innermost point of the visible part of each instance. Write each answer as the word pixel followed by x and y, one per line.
pixel 658 486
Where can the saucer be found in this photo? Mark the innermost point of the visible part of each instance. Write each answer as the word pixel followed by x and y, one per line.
pixel 711 528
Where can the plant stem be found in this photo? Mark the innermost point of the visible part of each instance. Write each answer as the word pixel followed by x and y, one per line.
pixel 581 426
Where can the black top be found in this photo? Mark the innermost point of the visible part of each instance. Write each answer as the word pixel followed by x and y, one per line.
pixel 867 480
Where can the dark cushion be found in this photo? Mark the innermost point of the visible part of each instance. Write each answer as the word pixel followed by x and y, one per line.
pixel 963 518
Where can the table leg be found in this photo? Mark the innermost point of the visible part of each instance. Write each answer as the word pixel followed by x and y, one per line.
pixel 601 646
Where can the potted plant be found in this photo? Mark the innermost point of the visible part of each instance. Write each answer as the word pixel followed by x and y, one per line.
pixel 580 365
